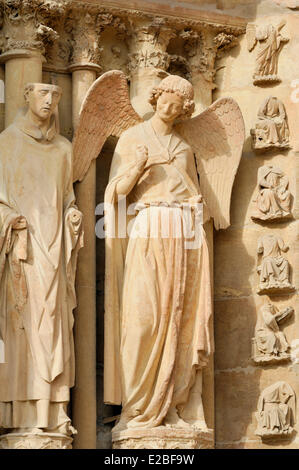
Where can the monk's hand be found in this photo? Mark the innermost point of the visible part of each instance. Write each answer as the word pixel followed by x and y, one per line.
pixel 75 219
pixel 202 358
pixel 142 156
pixel 20 223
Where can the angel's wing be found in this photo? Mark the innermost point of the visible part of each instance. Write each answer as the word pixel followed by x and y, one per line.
pixel 251 36
pixel 106 110
pixel 217 137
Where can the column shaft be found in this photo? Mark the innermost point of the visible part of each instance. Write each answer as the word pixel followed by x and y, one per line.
pixel 84 393
pixel 19 70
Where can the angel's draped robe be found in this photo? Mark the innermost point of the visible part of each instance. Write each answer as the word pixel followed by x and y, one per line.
pixel 37 269
pixel 158 294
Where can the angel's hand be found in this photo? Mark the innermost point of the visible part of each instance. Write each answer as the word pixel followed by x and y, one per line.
pixel 142 156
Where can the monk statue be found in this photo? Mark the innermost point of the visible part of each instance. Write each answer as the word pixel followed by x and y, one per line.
pixel 41 233
pixel 158 293
pixel 272 198
pixel 271 129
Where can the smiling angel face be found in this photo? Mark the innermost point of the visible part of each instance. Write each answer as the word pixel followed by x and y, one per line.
pixel 169 106
pixel 173 98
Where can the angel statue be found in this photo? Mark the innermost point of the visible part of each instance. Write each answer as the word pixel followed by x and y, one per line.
pixel 158 297
pixel 270 43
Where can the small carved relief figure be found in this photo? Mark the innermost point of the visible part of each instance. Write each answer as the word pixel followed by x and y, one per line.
pixel 270 43
pixel 271 128
pixel 274 269
pixel 269 343
pixel 41 233
pixel 158 338
pixel 272 199
pixel 276 413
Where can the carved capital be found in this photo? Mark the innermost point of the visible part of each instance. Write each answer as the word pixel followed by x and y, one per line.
pixel 86 28
pixel 28 25
pixel 202 48
pixel 155 59
pixel 148 43
pixel 84 38
pixel 153 36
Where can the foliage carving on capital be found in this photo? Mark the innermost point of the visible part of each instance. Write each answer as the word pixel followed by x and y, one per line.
pixel 202 48
pixel 154 59
pixel 86 29
pixel 29 24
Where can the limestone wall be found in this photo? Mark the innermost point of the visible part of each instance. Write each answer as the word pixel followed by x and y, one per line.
pixel 238 381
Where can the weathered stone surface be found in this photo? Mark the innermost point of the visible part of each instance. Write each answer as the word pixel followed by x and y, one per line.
pixel 35 441
pixel 163 438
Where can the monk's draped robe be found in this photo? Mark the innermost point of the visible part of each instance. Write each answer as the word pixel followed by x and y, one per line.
pixel 37 269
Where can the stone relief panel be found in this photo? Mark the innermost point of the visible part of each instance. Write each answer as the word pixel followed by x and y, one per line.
pixel 276 413
pixel 270 42
pixel 271 129
pixel 274 269
pixel 269 344
pixel 272 199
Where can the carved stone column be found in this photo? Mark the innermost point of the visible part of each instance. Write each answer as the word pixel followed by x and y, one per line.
pixel 201 48
pixel 84 68
pixel 24 36
pixel 148 60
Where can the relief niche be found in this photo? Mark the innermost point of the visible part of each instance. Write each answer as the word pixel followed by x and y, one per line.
pixel 272 199
pixel 276 413
pixel 274 269
pixel 269 344
pixel 270 42
pixel 271 128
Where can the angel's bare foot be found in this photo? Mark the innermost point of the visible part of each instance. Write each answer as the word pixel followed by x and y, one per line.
pixel 172 419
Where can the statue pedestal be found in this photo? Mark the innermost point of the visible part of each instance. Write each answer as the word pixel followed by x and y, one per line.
pixel 163 437
pixel 43 440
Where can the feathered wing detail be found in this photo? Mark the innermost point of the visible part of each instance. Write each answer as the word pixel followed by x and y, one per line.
pixel 217 137
pixel 106 110
pixel 251 36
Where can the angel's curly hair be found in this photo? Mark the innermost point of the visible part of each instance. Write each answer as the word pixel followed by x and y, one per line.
pixel 179 86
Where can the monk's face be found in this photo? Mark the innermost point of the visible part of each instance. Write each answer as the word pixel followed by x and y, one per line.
pixel 43 100
pixel 169 106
